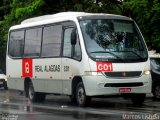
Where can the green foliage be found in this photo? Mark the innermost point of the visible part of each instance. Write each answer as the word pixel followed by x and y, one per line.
pixel 27 8
pixel 98 6
pixel 93 7
pixel 19 11
pixel 147 14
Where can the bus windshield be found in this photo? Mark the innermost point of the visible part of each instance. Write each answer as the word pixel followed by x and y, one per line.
pixel 113 40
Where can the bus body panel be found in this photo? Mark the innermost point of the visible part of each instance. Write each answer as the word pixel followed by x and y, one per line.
pixel 70 68
pixel 48 70
pixel 94 85
pixel 46 75
pixel 141 66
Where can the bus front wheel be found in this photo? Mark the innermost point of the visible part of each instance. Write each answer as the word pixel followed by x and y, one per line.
pixel 156 91
pixel 82 99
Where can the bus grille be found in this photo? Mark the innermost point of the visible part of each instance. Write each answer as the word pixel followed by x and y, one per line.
pixel 123 74
pixel 137 84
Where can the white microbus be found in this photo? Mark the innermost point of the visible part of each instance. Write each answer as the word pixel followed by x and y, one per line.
pixel 78 54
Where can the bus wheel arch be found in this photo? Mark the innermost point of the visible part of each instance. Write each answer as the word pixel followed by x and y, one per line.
pixel 30 92
pixel 75 82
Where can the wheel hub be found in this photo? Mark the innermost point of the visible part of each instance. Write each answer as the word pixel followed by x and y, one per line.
pixel 31 92
pixel 81 95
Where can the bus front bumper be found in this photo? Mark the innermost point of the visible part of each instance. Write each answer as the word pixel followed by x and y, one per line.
pixel 100 85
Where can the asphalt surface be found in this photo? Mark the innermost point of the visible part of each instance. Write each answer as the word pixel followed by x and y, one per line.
pixel 14 106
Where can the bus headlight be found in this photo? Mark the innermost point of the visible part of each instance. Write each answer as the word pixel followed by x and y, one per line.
pixel 92 73
pixel 146 72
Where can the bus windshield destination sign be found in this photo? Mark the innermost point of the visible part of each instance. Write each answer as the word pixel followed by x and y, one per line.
pixel 104 67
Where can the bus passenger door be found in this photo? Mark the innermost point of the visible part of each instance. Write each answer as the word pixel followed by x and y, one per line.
pixel 70 60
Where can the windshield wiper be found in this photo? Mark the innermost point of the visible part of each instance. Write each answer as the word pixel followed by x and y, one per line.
pixel 109 53
pixel 134 53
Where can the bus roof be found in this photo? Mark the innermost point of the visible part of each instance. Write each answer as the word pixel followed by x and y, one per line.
pixel 46 19
pixel 53 16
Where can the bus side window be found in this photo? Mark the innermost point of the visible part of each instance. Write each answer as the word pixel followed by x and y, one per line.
pixel 68 48
pixel 67 44
pixel 16 43
pixel 33 42
pixel 51 44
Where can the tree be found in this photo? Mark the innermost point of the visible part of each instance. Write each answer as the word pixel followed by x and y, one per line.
pixel 19 11
pixel 147 14
pixel 98 6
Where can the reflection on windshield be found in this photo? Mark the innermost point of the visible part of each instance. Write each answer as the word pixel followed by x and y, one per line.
pixel 118 36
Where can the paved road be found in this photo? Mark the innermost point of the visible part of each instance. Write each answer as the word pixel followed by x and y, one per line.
pixel 14 106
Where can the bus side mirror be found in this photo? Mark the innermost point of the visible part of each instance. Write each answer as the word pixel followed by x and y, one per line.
pixel 73 37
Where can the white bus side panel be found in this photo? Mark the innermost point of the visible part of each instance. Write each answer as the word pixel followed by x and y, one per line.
pixel 70 69
pixel 46 74
pixel 14 74
pixel 49 71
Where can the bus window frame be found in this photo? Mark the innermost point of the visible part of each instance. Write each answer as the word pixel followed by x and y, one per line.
pixel 72 57
pixel 63 23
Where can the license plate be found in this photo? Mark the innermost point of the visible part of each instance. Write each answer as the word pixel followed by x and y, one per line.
pixel 125 90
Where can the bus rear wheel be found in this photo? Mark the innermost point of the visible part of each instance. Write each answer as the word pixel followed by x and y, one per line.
pixel 35 96
pixel 82 99
pixel 138 99
pixel 5 85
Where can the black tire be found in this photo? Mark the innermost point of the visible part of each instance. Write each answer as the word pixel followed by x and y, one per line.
pixel 138 99
pixel 34 96
pixel 5 85
pixel 81 98
pixel 73 99
pixel 156 91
